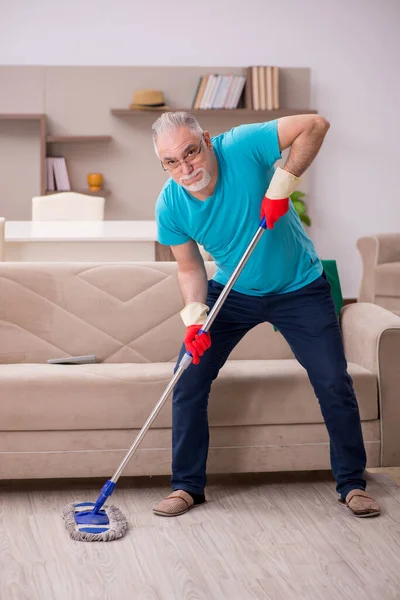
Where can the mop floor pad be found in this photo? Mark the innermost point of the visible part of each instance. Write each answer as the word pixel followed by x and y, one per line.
pixel 85 526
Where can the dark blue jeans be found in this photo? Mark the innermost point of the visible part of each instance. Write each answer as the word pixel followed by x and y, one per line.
pixel 308 321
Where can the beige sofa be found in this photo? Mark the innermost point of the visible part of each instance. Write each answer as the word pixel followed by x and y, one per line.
pixel 380 284
pixel 78 421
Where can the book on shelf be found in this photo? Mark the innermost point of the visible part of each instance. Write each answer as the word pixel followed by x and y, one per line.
pixel 216 91
pixel 57 178
pixel 262 88
pixel 275 87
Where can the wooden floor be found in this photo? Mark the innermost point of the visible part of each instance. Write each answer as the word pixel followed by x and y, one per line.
pixel 276 536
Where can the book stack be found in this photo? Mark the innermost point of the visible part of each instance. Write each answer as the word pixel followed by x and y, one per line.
pixel 57 174
pixel 262 88
pixel 219 91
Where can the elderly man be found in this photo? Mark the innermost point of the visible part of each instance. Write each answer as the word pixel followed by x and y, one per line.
pixel 218 190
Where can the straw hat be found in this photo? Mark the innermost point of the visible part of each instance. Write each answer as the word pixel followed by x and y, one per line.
pixel 148 100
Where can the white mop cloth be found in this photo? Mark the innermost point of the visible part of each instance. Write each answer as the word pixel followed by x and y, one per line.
pixel 115 529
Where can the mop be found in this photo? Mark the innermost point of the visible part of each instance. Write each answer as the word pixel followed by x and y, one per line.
pixel 100 522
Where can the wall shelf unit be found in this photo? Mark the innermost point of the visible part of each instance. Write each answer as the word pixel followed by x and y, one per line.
pixel 98 132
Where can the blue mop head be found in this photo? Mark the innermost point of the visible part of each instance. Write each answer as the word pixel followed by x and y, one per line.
pixel 84 525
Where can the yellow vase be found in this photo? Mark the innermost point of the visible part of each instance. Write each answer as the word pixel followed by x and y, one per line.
pixel 95 181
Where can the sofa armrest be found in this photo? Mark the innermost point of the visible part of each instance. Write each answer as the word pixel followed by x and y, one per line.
pixel 375 250
pixel 371 337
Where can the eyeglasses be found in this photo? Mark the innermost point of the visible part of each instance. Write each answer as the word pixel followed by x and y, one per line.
pixel 173 165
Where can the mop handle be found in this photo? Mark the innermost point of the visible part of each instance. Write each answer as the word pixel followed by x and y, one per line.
pixel 187 357
pixel 232 280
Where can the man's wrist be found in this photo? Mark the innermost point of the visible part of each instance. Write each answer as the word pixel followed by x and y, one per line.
pixel 194 313
pixel 282 184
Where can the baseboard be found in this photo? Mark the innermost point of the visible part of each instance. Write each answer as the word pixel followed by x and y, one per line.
pixel 349 301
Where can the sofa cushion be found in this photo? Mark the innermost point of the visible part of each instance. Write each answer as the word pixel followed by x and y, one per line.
pixel 121 312
pixel 391 303
pixel 387 279
pixel 120 396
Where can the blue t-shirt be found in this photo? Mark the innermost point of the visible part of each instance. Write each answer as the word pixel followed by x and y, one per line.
pixel 284 259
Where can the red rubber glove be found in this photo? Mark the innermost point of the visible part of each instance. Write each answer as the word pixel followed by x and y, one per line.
pixel 273 210
pixel 196 343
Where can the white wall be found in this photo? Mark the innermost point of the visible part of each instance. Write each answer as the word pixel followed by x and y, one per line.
pixel 352 47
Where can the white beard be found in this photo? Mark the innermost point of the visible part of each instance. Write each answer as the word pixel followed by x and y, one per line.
pixel 197 186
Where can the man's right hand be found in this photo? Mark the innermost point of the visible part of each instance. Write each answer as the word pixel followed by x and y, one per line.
pixel 196 343
pixel 194 316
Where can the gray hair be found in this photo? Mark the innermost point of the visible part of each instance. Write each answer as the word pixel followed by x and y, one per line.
pixel 171 121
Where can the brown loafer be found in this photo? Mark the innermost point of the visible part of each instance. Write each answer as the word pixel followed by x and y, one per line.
pixel 174 505
pixel 361 504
